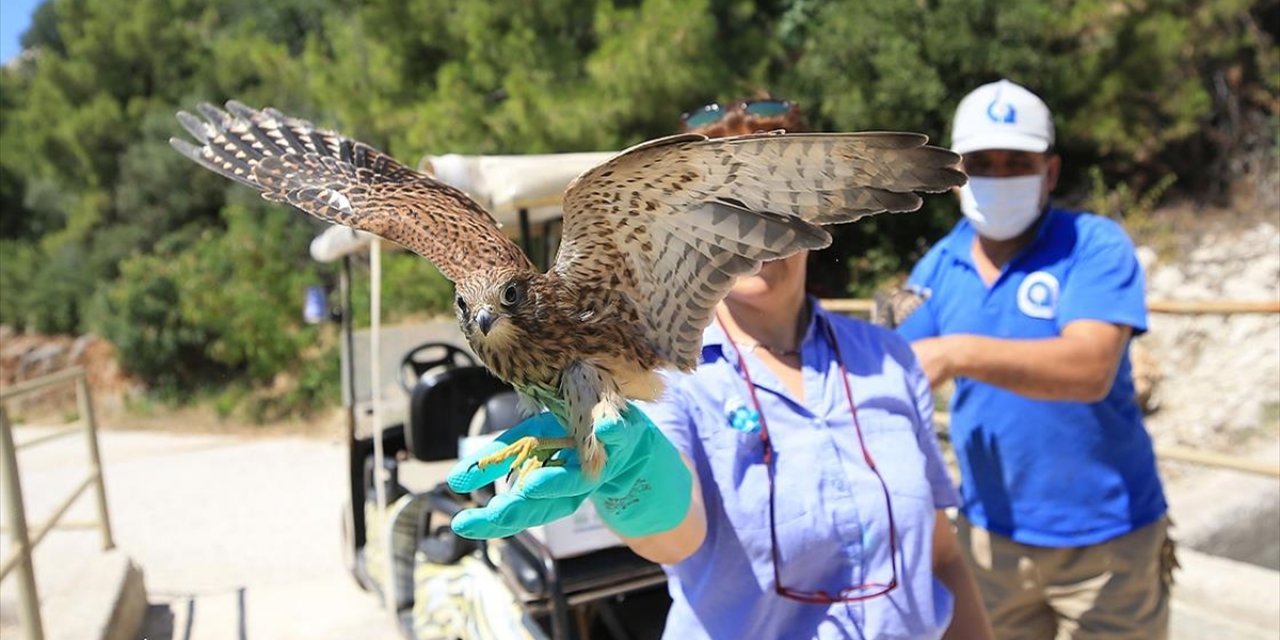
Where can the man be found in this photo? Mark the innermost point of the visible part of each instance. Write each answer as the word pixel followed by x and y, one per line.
pixel 1030 310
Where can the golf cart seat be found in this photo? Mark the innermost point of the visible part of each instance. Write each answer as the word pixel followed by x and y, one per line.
pixel 443 404
pixel 443 409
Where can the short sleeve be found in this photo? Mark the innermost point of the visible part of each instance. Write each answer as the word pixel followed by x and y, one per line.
pixel 923 323
pixel 673 418
pixel 944 490
pixel 1106 283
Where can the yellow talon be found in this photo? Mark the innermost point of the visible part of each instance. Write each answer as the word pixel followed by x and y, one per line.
pixel 530 453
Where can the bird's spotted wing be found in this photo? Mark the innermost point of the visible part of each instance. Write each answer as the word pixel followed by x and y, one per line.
pixel 891 308
pixel 347 182
pixel 674 221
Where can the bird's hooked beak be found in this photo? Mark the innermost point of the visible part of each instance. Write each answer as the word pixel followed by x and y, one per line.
pixel 485 319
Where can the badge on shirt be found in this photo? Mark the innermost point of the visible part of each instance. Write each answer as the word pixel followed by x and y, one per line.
pixel 741 417
pixel 1038 295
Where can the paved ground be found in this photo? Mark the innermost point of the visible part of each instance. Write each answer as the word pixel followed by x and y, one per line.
pixel 240 537
pixel 236 537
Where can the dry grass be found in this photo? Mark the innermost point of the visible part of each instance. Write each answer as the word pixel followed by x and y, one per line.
pixel 204 419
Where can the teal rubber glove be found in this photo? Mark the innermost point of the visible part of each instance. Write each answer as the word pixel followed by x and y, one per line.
pixel 643 489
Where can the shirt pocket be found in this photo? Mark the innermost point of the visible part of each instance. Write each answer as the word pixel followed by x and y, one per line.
pixel 808 546
pixel 891 440
pixel 737 463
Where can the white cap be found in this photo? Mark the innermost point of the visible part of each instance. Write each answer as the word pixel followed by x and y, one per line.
pixel 1002 115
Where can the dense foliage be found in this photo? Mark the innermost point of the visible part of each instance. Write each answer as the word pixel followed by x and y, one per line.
pixel 104 228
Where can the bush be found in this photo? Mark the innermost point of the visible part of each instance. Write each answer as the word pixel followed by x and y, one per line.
pixel 141 313
pixel 227 306
pixel 19 261
pixel 411 289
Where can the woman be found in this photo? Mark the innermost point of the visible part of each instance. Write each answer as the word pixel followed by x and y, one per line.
pixel 814 503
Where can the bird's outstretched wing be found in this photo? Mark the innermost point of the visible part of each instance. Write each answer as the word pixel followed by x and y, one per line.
pixel 348 182
pixel 674 221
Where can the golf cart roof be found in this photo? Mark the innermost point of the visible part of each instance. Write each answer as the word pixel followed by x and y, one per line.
pixel 504 185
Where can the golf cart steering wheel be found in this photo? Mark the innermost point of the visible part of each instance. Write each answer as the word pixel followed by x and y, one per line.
pixel 414 363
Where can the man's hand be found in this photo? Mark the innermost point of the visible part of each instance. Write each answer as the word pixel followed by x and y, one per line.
pixel 1078 366
pixel 643 489
pixel 938 357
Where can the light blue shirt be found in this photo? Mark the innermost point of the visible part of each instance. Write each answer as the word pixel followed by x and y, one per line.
pixel 1045 473
pixel 831 511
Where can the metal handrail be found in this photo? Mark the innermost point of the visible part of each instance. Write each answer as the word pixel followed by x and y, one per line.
pixel 1173 307
pixel 1191 307
pixel 36 384
pixel 25 539
pixel 34 442
pixel 942 423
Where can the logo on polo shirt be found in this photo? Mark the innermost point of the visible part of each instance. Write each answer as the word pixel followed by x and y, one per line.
pixel 1038 295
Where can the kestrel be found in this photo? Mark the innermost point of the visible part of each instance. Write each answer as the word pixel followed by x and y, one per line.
pixel 653 239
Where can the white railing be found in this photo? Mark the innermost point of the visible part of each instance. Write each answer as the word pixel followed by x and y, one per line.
pixel 25 539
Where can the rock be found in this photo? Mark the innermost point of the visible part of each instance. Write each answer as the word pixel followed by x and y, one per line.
pixel 1164 282
pixel 79 346
pixel 1147 257
pixel 41 360
pixel 1209 377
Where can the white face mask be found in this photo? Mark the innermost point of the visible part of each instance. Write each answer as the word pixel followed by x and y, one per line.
pixel 1001 208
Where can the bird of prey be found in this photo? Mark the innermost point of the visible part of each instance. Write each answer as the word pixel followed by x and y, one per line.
pixel 892 307
pixel 653 239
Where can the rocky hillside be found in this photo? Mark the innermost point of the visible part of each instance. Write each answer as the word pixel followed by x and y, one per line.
pixel 1216 377
pixel 27 356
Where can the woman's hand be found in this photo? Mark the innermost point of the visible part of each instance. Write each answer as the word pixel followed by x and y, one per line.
pixel 644 489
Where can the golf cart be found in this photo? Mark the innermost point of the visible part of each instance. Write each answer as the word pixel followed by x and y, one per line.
pixel 414 398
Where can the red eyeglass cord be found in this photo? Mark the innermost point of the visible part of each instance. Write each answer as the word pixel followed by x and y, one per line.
pixel 820 596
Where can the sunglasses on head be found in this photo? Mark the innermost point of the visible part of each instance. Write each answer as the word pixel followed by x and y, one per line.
pixel 714 112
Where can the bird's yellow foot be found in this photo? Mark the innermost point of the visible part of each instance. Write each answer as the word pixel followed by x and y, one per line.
pixel 530 453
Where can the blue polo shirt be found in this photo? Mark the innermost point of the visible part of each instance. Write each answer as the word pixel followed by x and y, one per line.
pixel 831 512
pixel 1045 473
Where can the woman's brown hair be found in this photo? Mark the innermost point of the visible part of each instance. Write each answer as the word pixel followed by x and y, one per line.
pixel 736 121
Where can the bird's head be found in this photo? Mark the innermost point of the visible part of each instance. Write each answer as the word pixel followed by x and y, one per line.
pixel 494 309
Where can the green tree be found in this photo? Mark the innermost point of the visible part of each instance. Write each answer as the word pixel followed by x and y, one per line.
pixel 226 307
pixel 103 226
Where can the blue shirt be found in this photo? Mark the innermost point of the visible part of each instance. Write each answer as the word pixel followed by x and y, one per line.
pixel 1045 473
pixel 831 511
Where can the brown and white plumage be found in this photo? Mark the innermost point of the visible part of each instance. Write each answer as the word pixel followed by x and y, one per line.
pixel 892 307
pixel 653 238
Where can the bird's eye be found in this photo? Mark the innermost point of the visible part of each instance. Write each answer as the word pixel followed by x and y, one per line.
pixel 510 295
pixel 462 304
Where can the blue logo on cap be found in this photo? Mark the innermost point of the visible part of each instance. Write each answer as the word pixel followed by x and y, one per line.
pixel 1001 111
